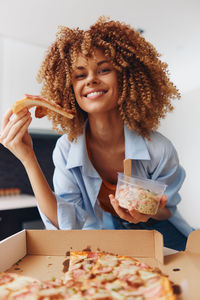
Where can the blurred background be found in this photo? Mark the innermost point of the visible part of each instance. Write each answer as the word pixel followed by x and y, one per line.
pixel 28 27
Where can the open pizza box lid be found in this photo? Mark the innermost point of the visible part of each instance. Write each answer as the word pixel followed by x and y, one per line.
pixel 42 253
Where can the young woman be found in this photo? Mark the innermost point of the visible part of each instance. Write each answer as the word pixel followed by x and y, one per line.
pixel 119 90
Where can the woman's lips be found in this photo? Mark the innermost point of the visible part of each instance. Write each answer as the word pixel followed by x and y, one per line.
pixel 95 94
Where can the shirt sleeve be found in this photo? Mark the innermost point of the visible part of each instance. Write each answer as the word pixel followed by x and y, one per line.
pixel 71 213
pixel 70 210
pixel 168 170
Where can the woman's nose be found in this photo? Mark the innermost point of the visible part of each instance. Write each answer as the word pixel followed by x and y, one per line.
pixel 92 79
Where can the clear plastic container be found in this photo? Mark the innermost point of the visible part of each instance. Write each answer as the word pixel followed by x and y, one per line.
pixel 141 194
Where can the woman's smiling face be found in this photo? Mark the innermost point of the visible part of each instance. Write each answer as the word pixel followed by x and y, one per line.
pixel 95 83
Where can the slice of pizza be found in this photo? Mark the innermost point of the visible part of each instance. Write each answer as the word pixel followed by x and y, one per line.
pixel 27 289
pixel 51 289
pixel 42 106
pixel 11 282
pixel 81 264
pixel 132 278
pixel 98 275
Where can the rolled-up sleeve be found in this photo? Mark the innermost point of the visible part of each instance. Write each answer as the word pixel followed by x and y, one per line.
pixel 70 215
pixel 70 210
pixel 47 223
pixel 169 171
pixel 172 190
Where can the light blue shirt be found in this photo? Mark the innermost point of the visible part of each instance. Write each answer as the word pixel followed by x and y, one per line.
pixel 77 183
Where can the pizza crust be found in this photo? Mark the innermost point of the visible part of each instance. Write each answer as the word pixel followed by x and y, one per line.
pixel 42 105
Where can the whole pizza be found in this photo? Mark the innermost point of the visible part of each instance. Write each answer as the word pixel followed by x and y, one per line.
pixel 92 275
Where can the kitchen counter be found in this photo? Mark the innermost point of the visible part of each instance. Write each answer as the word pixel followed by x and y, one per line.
pixel 17 201
pixel 15 211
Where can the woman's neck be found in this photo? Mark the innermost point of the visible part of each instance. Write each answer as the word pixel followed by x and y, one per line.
pixel 106 129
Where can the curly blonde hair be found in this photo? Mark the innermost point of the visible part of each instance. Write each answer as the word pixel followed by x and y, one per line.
pixel 145 89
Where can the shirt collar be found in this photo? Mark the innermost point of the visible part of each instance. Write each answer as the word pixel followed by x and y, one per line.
pixel 135 145
pixel 78 156
pixel 135 148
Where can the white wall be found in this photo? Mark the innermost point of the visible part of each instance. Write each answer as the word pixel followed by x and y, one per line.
pixel 20 63
pixel 173 26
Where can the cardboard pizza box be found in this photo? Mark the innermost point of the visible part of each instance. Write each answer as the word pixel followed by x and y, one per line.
pixel 42 253
pixel 183 267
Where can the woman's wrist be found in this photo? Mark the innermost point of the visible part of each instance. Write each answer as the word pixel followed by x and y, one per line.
pixel 29 160
pixel 162 214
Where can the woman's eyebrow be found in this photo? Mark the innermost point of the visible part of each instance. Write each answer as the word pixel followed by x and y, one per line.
pixel 102 62
pixel 79 68
pixel 99 64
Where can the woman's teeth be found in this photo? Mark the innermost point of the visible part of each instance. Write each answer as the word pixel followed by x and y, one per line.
pixel 95 94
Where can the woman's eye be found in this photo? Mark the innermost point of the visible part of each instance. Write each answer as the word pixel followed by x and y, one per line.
pixel 79 76
pixel 105 70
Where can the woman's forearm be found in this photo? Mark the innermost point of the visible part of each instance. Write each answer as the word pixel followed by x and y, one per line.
pixel 42 191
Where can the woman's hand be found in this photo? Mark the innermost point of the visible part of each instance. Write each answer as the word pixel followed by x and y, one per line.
pixel 15 137
pixel 14 134
pixel 132 215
